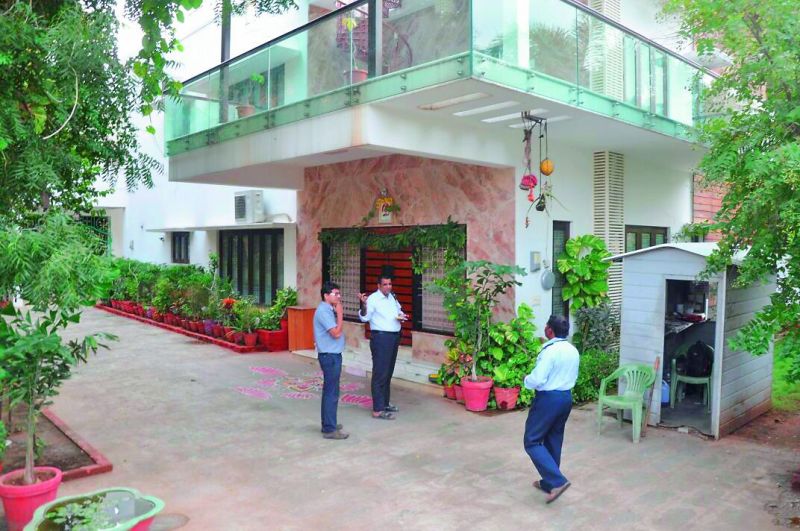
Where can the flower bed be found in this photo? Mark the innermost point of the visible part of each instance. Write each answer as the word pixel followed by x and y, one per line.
pixel 136 314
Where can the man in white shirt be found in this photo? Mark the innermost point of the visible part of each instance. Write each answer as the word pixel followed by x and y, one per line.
pixel 384 315
pixel 552 378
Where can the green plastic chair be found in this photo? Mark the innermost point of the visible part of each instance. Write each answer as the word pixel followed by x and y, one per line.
pixel 638 378
pixel 676 378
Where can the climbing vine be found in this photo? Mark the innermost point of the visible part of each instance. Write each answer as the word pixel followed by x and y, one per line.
pixel 450 237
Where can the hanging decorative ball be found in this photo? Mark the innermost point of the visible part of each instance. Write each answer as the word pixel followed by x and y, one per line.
pixel 527 182
pixel 546 167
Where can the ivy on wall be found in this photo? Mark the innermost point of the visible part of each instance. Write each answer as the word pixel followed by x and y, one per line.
pixel 450 237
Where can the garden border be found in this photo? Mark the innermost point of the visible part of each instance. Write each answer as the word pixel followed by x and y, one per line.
pixel 239 349
pixel 101 463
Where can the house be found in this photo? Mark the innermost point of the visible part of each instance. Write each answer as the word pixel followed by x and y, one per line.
pixel 400 113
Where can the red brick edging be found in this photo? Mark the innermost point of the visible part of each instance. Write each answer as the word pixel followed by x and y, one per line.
pixel 101 464
pixel 239 349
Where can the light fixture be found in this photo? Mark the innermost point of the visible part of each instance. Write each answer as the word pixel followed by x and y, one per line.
pixel 512 116
pixel 435 106
pixel 488 108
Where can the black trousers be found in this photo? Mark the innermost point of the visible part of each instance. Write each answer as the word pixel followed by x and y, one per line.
pixel 383 346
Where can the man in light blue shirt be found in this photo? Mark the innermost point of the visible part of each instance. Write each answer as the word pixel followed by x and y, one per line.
pixel 552 378
pixel 328 335
pixel 384 315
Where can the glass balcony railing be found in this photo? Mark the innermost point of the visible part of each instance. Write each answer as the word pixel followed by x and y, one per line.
pixel 371 50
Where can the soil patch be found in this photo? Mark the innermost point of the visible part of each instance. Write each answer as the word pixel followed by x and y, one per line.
pixel 60 451
pixel 774 428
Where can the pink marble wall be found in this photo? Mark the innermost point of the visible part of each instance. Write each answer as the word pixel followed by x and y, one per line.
pixel 427 192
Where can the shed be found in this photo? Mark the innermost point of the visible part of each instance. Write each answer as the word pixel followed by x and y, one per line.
pixel 668 312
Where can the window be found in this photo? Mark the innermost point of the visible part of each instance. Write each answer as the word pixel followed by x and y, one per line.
pixel 100 226
pixel 356 270
pixel 640 237
pixel 253 262
pixel 180 247
pixel 560 237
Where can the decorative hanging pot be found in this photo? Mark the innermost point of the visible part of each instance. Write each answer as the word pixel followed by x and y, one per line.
pixel 546 167
pixel 528 182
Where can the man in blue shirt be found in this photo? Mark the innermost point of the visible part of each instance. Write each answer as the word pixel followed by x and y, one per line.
pixel 328 335
pixel 384 315
pixel 552 378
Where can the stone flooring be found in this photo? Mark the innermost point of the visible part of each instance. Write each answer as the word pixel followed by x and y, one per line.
pixel 230 447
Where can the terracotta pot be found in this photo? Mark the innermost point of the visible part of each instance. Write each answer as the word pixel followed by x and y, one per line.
pixel 355 75
pixel 250 339
pixel 227 333
pixel 238 338
pixel 20 502
pixel 274 340
pixel 450 392
pixel 506 397
pixel 476 394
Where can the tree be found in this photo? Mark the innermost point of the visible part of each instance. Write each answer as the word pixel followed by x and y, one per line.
pixel 67 101
pixel 752 133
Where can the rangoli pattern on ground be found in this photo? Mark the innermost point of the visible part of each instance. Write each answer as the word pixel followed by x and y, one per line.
pixel 305 387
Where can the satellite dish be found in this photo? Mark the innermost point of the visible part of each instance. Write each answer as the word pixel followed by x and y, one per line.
pixel 548 279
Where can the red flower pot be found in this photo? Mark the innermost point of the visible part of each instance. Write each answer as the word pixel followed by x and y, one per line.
pixel 20 501
pixel 227 333
pixel 476 394
pixel 250 339
pixel 458 391
pixel 274 340
pixel 450 392
pixel 506 397
pixel 238 338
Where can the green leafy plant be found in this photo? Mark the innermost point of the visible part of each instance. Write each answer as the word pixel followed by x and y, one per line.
pixel 595 365
pixel 470 292
pixel 596 328
pixel 585 271
pixel 246 316
pixel 512 350
pixel 271 317
pixel 52 266
pixel 84 515
pixel 458 362
pixel 3 438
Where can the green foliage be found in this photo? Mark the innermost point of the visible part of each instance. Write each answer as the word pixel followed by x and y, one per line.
pixel 596 328
pixel 246 316
pixel 3 439
pixel 595 365
pixel 84 515
pixel 585 271
pixel 53 267
pixel 451 237
pixel 512 350
pixel 785 388
pixel 458 362
pixel 693 232
pixel 271 317
pixel 752 130
pixel 470 291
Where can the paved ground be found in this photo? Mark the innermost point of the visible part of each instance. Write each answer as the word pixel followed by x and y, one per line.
pixel 166 411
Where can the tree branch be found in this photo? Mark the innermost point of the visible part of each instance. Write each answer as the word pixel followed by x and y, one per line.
pixel 71 113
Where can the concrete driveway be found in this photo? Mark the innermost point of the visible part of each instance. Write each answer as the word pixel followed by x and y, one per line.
pixel 232 442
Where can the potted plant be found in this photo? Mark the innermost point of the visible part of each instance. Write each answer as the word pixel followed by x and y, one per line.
pixel 470 292
pixel 55 267
pixel 512 354
pixel 353 74
pixel 249 90
pixel 273 332
pixel 246 321
pixel 112 508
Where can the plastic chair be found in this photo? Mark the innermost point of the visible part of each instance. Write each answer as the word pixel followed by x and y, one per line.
pixel 638 378
pixel 676 379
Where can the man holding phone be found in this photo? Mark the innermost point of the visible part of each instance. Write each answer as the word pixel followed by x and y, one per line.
pixel 384 315
pixel 329 338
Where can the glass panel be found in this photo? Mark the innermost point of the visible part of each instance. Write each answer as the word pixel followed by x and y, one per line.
pixel 223 257
pixel 643 67
pixel 601 57
pixel 258 242
pixel 235 262
pixel 646 240
pixel 279 261
pixel 629 47
pixel 659 82
pixel 416 32
pixel 269 263
pixel 560 236
pixel 659 238
pixel 680 78
pixel 630 241
pixel 555 48
pixel 245 265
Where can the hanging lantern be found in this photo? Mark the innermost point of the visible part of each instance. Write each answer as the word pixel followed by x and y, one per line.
pixel 527 182
pixel 546 167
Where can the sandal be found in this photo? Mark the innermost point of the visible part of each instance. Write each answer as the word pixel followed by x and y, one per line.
pixel 538 485
pixel 383 415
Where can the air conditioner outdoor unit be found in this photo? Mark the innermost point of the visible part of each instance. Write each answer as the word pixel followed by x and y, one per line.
pixel 249 206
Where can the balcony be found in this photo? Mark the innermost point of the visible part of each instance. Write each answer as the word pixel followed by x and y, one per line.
pixel 555 50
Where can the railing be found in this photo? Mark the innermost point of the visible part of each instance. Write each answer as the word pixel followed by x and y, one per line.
pixel 557 49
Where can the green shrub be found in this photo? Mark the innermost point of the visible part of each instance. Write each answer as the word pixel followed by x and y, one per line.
pixel 596 328
pixel 595 365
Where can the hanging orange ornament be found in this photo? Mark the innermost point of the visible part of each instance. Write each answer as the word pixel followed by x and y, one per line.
pixel 546 167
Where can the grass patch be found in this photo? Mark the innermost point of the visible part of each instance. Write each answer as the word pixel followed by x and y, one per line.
pixel 785 394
